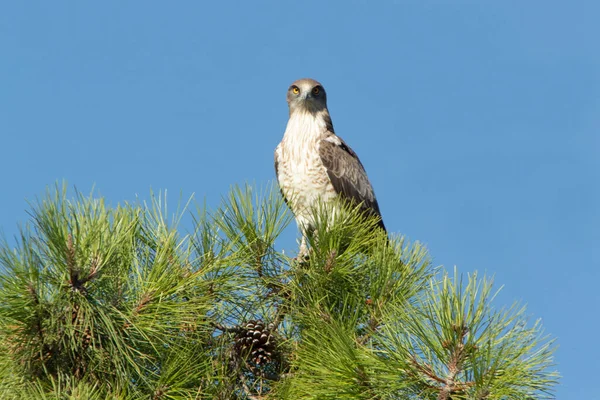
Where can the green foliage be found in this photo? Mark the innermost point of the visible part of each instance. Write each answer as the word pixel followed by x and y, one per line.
pixel 102 303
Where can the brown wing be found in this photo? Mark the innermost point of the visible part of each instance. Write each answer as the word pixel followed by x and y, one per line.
pixel 347 174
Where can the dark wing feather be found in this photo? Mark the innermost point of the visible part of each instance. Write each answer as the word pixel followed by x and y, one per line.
pixel 347 174
pixel 277 176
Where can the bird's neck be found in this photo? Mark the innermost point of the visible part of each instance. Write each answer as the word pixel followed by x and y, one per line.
pixel 306 126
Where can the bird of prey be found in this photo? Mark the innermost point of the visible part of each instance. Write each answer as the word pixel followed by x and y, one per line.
pixel 313 164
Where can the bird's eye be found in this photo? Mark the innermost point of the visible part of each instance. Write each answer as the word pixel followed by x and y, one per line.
pixel 295 90
pixel 316 91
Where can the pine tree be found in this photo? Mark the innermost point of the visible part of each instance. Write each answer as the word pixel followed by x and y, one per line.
pixel 103 303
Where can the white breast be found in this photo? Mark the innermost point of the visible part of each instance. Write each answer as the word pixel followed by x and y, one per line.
pixel 302 177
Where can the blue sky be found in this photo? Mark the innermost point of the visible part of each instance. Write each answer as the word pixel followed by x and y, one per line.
pixel 478 123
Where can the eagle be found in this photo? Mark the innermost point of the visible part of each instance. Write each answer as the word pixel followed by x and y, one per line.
pixel 315 165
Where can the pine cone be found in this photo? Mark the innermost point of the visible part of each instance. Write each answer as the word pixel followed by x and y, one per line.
pixel 255 341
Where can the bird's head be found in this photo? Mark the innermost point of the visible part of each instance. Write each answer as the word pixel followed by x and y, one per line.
pixel 306 95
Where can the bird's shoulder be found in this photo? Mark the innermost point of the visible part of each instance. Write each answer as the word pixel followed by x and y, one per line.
pixel 333 148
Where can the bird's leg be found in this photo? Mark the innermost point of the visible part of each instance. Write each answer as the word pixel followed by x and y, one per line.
pixel 303 252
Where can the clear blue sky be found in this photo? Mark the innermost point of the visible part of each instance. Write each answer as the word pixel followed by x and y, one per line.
pixel 479 125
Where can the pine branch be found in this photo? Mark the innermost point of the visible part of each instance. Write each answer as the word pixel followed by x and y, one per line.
pixel 223 328
pixel 102 302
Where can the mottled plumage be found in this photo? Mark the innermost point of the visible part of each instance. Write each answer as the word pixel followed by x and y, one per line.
pixel 312 163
